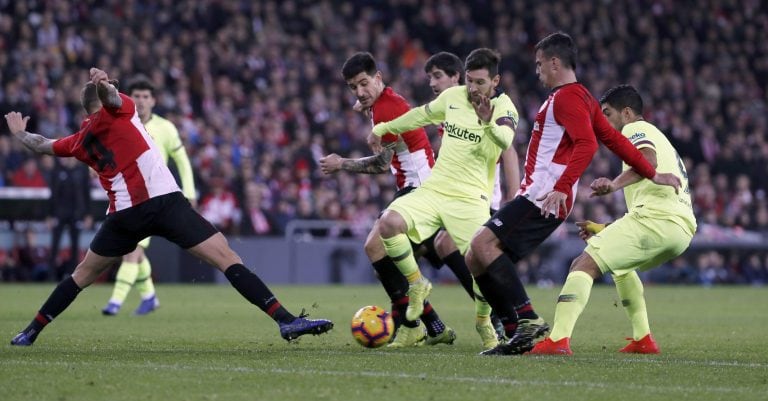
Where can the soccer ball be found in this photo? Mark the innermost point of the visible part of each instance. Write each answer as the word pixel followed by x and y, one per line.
pixel 372 326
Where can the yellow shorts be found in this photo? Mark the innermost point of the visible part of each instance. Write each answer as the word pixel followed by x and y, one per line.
pixel 144 243
pixel 425 211
pixel 635 242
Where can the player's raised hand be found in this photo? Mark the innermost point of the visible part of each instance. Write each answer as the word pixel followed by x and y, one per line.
pixel 374 142
pixel 358 107
pixel 331 163
pixel 667 179
pixel 601 186
pixel 16 122
pixel 482 105
pixel 98 76
pixel 589 228
pixel 554 202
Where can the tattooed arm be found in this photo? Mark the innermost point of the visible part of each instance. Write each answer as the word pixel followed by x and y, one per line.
pixel 36 143
pixel 107 91
pixel 375 164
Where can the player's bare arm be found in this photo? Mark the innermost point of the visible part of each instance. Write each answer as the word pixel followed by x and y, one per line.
pixel 34 142
pixel 374 142
pixel 107 92
pixel 510 165
pixel 376 164
pixel 604 186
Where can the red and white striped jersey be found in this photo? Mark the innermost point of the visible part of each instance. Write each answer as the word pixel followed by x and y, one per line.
pixel 115 144
pixel 414 158
pixel 563 142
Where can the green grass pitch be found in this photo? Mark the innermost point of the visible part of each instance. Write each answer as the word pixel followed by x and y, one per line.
pixel 206 343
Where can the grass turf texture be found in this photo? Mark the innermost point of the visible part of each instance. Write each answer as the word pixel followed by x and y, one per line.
pixel 206 343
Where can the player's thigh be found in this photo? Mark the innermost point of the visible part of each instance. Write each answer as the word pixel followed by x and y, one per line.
pixel 216 251
pixel 421 212
pixel 135 256
pixel 520 227
pixel 179 223
pixel 119 234
pixel 462 218
pixel 636 243
pixel 89 269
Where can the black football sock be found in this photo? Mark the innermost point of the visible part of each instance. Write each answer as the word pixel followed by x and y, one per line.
pixel 250 286
pixel 455 261
pixel 431 320
pixel 398 313
pixel 61 297
pixel 394 283
pixel 504 272
pixel 525 311
pixel 499 297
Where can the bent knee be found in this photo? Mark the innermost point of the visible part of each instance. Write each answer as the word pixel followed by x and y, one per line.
pixel 444 244
pixel 483 240
pixel 585 263
pixel 391 224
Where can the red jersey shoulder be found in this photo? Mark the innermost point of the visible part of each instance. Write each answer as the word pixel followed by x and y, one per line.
pixel 389 106
pixel 128 106
pixel 575 95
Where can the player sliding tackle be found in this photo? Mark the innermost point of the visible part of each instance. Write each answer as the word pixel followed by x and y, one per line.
pixel 143 200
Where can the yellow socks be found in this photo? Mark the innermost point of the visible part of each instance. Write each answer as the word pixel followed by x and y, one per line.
pixel 126 276
pixel 144 283
pixel 482 308
pixel 399 249
pixel 630 290
pixel 573 297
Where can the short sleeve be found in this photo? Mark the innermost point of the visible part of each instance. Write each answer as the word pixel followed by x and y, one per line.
pixel 65 147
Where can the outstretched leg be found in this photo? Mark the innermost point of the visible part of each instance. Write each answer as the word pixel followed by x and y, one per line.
pixel 65 293
pixel 216 251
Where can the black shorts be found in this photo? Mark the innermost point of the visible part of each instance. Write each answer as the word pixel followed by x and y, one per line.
pixel 521 228
pixel 170 216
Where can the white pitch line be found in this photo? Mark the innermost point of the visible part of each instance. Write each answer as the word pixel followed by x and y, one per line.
pixel 408 376
pixel 651 359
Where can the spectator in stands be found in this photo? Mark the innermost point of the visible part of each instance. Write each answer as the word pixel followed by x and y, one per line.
pixel 28 175
pixel 220 206
pixel 69 207
pixel 257 78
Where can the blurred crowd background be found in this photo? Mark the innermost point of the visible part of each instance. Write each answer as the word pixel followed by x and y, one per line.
pixel 255 90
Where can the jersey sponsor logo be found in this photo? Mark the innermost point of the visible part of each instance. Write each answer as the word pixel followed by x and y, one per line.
pixel 452 107
pixel 461 133
pixel 636 136
pixel 496 222
pixel 536 126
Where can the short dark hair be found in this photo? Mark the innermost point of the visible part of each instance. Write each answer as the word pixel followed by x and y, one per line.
pixel 483 58
pixel 560 45
pixel 623 96
pixel 448 62
pixel 359 62
pixel 89 96
pixel 141 83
